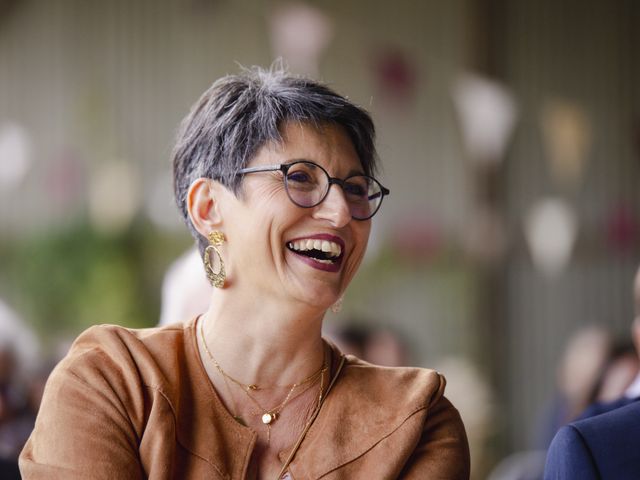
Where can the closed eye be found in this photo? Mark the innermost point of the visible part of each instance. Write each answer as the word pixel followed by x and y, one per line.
pixel 299 177
pixel 355 189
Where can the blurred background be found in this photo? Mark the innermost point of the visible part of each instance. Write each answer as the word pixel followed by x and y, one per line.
pixel 509 134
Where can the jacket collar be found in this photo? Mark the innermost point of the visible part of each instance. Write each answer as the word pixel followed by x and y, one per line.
pixel 364 405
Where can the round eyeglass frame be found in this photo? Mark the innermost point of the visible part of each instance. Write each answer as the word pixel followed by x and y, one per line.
pixel 284 168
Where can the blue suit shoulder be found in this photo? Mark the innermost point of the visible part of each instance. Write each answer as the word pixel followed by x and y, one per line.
pixel 603 407
pixel 604 446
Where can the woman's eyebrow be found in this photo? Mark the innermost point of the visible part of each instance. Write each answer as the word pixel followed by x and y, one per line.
pixel 355 172
pixel 314 164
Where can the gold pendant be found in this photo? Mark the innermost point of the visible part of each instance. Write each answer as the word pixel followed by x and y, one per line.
pixel 267 418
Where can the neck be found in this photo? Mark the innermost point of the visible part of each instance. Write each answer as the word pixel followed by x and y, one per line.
pixel 262 342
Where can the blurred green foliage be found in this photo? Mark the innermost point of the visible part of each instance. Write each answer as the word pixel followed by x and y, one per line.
pixel 64 281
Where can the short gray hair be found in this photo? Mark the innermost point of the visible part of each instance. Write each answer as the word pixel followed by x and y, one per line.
pixel 239 114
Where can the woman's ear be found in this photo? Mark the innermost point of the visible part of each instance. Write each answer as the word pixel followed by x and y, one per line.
pixel 202 205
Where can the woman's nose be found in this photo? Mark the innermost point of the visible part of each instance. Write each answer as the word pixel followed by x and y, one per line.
pixel 334 207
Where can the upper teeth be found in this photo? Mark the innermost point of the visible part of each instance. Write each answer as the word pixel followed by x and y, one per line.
pixel 332 248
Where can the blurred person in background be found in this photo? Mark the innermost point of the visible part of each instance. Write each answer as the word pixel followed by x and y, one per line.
pixel 595 376
pixel 8 407
pixel 185 290
pixel 621 382
pixel 19 403
pixel 376 345
pixel 621 369
pixel 274 176
pixel 18 371
pixel 577 377
pixel 602 447
pixel 578 373
pixel 603 443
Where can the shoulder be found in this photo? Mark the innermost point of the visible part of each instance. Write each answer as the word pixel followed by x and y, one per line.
pixel 399 394
pixel 97 402
pixel 107 336
pixel 619 424
pixel 609 435
pixel 569 456
pixel 143 356
pixel 411 388
pixel 597 445
pixel 599 408
pixel 401 411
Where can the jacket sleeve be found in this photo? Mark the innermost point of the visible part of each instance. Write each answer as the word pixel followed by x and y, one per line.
pixel 569 457
pixel 442 451
pixel 84 427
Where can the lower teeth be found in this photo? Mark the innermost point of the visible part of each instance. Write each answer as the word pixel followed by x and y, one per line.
pixel 323 261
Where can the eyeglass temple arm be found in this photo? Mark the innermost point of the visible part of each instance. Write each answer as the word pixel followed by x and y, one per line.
pixel 382 193
pixel 263 168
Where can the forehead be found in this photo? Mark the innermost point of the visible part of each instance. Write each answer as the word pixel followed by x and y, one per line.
pixel 327 145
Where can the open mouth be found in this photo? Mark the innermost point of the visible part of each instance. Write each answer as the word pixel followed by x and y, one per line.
pixel 322 251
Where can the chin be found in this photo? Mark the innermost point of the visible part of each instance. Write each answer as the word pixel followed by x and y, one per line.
pixel 320 301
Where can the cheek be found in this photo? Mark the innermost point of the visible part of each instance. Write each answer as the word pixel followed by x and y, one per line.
pixel 361 238
pixel 362 235
pixel 267 210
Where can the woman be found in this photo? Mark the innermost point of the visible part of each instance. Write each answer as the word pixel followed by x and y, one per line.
pixel 273 176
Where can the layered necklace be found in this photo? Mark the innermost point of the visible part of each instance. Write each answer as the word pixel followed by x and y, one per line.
pixel 267 415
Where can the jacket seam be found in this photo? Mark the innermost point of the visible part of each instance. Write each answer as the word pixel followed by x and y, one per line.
pixel 435 395
pixel 120 408
pixel 374 444
pixel 587 449
pixel 175 423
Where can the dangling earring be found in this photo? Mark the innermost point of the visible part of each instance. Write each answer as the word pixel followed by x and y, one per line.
pixel 216 238
pixel 337 307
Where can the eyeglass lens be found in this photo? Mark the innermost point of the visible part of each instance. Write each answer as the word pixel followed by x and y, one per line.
pixel 307 185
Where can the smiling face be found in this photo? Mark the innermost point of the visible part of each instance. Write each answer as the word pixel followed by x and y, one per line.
pixel 280 250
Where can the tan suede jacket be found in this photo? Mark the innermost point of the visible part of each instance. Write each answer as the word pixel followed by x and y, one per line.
pixel 133 404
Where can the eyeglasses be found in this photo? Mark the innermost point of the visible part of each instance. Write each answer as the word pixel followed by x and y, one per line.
pixel 307 185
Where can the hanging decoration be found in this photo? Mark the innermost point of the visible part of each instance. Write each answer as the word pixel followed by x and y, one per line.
pixel 566 133
pixel 396 76
pixel 487 114
pixel 299 34
pixel 622 228
pixel 15 154
pixel 113 196
pixel 550 229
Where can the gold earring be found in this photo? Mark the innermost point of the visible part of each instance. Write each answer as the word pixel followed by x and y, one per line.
pixel 216 238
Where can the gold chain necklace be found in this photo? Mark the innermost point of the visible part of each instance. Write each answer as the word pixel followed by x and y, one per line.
pixel 273 414
pixel 235 412
pixel 267 415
